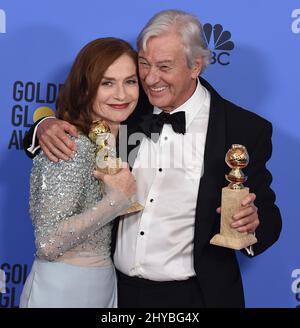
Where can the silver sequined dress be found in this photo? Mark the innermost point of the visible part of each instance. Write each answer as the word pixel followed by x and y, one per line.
pixel 72 221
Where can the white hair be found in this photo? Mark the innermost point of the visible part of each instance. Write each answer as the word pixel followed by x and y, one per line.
pixel 187 26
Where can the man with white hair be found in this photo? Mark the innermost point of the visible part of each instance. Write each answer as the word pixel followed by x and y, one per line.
pixel 162 255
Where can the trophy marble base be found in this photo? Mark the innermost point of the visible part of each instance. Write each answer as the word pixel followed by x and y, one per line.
pixel 134 207
pixel 234 243
pixel 230 237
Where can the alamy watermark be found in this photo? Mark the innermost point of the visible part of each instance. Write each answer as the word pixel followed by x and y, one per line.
pixel 2 21
pixel 184 152
pixel 296 283
pixel 295 26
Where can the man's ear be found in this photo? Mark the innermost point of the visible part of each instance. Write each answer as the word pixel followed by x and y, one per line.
pixel 197 68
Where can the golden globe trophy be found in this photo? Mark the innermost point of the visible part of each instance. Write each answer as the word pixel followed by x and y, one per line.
pixel 106 160
pixel 236 158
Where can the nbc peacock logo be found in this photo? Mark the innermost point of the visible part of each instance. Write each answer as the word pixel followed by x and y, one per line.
pixel 219 41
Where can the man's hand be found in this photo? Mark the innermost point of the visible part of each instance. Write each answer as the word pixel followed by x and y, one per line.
pixel 54 141
pixel 246 220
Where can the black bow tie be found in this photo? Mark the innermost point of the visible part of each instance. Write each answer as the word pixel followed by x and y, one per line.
pixel 155 123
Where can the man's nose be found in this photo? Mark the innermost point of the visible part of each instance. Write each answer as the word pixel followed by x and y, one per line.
pixel 152 76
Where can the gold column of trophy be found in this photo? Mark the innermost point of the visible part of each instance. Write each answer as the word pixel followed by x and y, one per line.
pixel 106 159
pixel 236 158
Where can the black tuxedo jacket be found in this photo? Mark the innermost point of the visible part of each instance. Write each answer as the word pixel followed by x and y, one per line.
pixel 216 267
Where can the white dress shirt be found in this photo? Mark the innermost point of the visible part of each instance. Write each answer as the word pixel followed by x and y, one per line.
pixel 157 243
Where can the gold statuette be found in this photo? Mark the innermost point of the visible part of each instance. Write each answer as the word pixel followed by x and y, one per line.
pixel 106 159
pixel 236 158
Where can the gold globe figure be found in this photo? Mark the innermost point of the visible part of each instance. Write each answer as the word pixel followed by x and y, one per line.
pixel 236 158
pixel 106 160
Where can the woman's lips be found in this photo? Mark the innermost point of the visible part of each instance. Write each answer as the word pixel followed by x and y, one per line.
pixel 119 106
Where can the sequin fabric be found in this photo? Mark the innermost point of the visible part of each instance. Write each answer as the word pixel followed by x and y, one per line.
pixel 68 212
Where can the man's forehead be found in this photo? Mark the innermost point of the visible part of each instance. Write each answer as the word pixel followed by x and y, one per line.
pixel 159 57
pixel 163 53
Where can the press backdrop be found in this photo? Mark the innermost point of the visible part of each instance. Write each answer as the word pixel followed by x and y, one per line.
pixel 255 64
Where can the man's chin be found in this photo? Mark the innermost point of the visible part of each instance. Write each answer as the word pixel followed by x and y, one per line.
pixel 157 102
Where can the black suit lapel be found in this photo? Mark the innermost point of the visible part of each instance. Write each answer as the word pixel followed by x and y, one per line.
pixel 209 194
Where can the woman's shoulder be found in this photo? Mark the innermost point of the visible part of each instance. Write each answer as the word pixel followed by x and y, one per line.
pixel 83 143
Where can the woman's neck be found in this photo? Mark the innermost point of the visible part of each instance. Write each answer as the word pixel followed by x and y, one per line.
pixel 114 128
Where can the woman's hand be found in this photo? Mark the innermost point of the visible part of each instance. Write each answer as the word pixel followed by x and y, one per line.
pixel 123 181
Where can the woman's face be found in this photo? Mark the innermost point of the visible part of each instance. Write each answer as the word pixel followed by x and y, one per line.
pixel 118 91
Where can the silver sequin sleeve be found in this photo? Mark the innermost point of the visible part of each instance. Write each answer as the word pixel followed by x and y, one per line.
pixel 66 207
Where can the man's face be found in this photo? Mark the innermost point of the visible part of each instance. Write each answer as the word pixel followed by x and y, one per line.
pixel 165 75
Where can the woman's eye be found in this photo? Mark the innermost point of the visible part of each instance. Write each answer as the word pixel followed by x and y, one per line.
pixel 106 83
pixel 132 81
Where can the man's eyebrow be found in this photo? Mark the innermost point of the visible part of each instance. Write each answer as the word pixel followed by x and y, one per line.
pixel 141 57
pixel 165 61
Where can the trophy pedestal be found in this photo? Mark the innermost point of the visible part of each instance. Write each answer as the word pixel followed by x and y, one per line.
pixel 230 237
pixel 134 207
